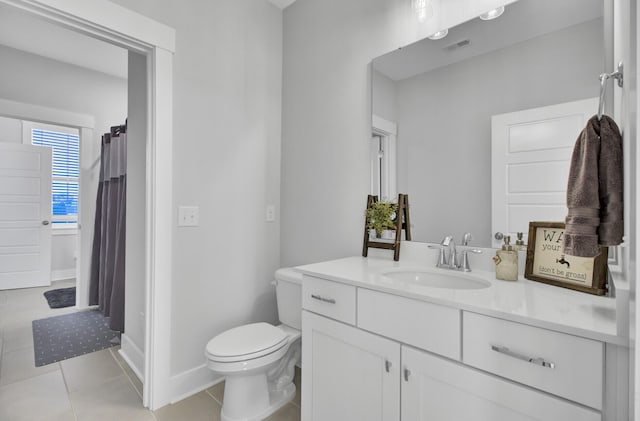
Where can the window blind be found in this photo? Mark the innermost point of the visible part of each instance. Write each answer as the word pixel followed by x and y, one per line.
pixel 65 172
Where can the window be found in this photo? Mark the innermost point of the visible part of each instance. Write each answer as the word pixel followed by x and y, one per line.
pixel 65 168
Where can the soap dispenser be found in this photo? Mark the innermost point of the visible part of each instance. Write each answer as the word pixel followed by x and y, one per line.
pixel 506 261
pixel 520 245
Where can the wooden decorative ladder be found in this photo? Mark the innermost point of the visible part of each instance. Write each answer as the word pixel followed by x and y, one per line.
pixel 402 223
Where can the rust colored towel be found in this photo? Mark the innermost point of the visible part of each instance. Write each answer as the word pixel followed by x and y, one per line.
pixel 594 191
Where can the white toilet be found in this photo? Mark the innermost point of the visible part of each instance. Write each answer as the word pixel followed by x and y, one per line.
pixel 258 360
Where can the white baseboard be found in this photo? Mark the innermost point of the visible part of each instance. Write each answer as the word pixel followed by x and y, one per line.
pixel 192 381
pixel 132 355
pixel 59 275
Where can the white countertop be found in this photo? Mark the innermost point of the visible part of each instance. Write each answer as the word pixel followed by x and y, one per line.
pixel 523 301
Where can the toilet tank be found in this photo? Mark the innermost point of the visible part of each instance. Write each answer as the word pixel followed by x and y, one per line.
pixel 289 296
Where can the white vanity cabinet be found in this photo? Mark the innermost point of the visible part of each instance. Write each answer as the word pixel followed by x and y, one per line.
pixel 371 355
pixel 435 388
pixel 349 374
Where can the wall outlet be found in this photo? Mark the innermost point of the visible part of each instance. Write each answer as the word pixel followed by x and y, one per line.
pixel 188 216
pixel 271 213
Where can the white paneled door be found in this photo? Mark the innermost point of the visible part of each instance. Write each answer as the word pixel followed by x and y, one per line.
pixel 25 216
pixel 530 153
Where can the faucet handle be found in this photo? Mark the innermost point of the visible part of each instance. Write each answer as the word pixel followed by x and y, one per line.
pixel 465 258
pixel 446 241
pixel 466 239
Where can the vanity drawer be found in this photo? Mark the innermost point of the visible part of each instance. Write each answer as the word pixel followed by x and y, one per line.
pixel 428 326
pixel 331 299
pixel 565 365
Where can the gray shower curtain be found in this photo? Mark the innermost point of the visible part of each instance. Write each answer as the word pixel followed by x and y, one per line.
pixel 106 287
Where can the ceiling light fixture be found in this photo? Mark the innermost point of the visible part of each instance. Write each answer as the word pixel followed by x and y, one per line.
pixel 492 14
pixel 439 34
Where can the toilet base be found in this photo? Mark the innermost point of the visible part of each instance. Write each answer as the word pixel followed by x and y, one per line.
pixel 253 404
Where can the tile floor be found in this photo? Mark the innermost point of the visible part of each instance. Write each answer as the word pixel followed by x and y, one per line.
pixel 97 386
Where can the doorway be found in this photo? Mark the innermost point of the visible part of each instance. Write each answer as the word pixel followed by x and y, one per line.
pixel 155 42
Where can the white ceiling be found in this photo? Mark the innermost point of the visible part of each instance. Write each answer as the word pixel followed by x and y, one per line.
pixel 23 31
pixel 521 21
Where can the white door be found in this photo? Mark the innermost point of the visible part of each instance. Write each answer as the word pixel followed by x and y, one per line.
pixel 434 388
pixel 530 153
pixel 349 374
pixel 25 216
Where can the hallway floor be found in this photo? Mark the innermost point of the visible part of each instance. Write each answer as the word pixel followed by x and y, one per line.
pixel 97 386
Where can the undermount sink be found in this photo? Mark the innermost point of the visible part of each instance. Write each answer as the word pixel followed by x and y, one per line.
pixel 437 279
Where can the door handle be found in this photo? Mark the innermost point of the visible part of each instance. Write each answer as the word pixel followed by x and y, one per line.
pixel 387 365
pixel 407 373
pixel 45 222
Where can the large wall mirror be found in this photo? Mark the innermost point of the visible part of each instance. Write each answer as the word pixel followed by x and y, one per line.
pixel 434 103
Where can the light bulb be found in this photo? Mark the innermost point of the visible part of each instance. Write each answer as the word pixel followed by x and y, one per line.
pixel 492 14
pixel 439 35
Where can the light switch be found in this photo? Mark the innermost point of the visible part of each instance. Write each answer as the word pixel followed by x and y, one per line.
pixel 188 216
pixel 271 213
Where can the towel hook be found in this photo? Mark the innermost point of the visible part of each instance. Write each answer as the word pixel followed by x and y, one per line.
pixel 603 86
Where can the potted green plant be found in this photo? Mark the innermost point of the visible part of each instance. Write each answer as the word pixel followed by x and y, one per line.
pixel 380 217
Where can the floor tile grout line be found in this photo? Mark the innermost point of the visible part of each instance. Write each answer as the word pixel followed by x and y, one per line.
pixel 111 352
pixel 66 387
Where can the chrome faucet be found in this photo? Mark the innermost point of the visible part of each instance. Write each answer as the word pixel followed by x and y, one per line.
pixel 448 258
pixel 465 257
pixel 443 259
pixel 453 255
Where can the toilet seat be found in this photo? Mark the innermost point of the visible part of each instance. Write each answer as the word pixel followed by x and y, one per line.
pixel 246 342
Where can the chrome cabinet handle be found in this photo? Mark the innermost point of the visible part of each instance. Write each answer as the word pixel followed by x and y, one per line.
pixel 537 361
pixel 45 222
pixel 407 373
pixel 387 365
pixel 324 300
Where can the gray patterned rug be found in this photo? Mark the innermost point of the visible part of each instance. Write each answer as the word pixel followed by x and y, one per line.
pixel 70 335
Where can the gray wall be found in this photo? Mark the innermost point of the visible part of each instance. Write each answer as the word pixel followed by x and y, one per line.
pixel 10 130
pixel 226 160
pixel 37 80
pixel 444 123
pixel 326 121
pixel 384 97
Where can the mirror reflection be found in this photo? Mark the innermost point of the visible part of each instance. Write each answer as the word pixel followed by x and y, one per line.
pixel 433 103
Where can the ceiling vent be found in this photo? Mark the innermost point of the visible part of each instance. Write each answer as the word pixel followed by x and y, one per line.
pixel 458 44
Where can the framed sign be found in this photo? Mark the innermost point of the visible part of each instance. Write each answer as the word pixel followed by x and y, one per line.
pixel 547 263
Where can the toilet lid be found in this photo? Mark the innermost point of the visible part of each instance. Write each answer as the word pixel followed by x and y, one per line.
pixel 245 342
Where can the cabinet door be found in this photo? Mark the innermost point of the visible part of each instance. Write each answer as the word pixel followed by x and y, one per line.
pixel 437 389
pixel 348 374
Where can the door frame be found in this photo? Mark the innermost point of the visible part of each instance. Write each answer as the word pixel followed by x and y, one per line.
pixel 127 29
pixel 388 132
